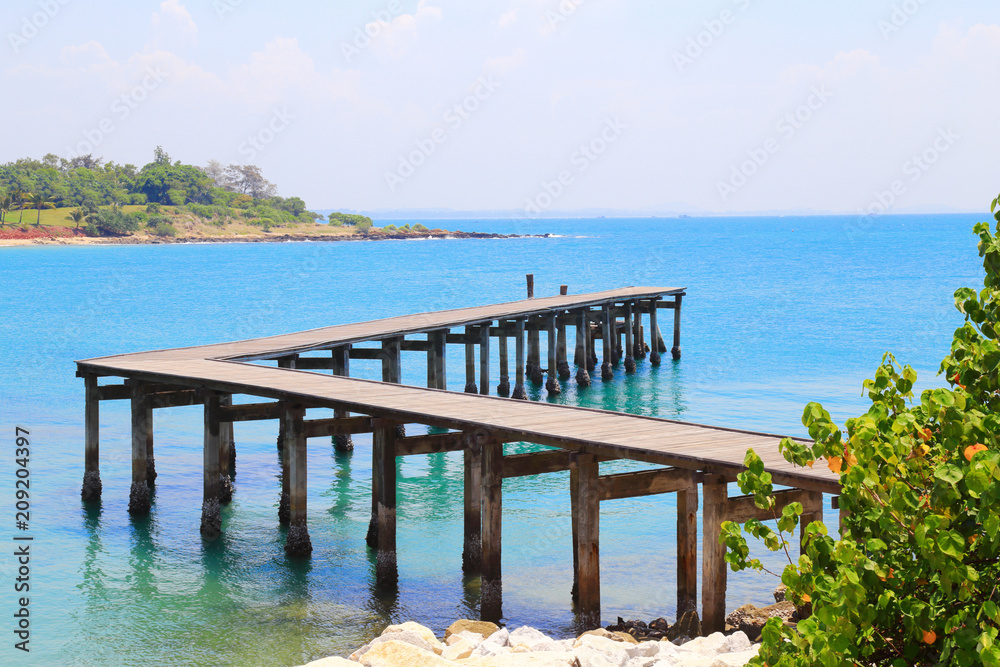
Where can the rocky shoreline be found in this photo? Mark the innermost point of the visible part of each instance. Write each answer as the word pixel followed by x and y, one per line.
pixel 483 644
pixel 259 238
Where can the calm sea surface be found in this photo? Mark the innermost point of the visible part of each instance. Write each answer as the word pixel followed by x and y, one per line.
pixel 779 312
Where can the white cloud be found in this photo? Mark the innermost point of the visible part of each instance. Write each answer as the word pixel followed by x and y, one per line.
pixel 505 64
pixel 509 19
pixel 396 38
pixel 173 22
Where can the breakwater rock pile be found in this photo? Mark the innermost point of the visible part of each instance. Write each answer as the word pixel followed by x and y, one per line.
pixel 481 644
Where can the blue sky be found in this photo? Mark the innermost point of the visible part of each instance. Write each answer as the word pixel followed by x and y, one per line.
pixel 557 106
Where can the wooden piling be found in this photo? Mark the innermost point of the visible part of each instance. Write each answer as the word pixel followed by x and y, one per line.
pixel 439 343
pixel 687 550
pixel 534 352
pixel 484 360
pixel 519 369
pixel 470 361
pixel 297 543
pixel 472 551
pixel 638 340
pixel 384 493
pixel 713 563
pixel 391 362
pixel 211 517
pixel 629 347
pixel 582 354
pixel 139 495
pixel 491 598
pixel 342 368
pixel 284 362
pixel 675 351
pixel 552 384
pixel 562 361
pixel 591 349
pixel 654 335
pixel 503 389
pixel 225 451
pixel 92 487
pixel 150 458
pixel 607 372
pixel 586 506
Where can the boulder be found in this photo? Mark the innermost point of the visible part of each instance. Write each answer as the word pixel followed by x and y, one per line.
pixel 708 646
pixel 587 656
pixel 750 619
pixel 533 640
pixel 736 643
pixel 458 649
pixel 396 654
pixel 484 628
pixel 613 651
pixel 688 625
pixel 616 636
pixel 779 593
pixel 495 644
pixel 735 659
pixel 404 637
pixel 473 638
pixel 424 633
pixel 331 662
pixel 540 659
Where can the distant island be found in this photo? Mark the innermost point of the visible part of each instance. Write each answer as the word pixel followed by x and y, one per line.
pixel 87 200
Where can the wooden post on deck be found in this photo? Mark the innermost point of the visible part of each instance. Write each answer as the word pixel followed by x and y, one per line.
pixel 586 514
pixel 815 499
pixel 503 389
pixel 687 550
pixel 491 598
pixel 139 501
pixel 437 374
pixel 582 353
pixel 654 335
pixel 484 359
pixel 226 450
pixel 297 543
pixel 534 353
pixel 552 385
pixel 342 368
pixel 384 493
pixel 629 346
pixel 675 351
pixel 470 361
pixel 92 486
pixel 713 563
pixel 472 551
pixel 392 370
pixel 519 361
pixel 211 517
pixel 607 372
pixel 562 360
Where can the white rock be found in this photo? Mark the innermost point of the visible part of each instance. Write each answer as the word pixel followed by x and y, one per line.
pixel 735 659
pixel 540 659
pixel 709 646
pixel 495 644
pixel 533 640
pixel 423 632
pixel 473 638
pixel 615 652
pixel 646 662
pixel 331 662
pixel 588 656
pixel 459 648
pixel 736 643
pixel 691 659
pixel 643 650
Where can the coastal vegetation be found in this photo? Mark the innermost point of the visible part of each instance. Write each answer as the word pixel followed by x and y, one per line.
pixel 96 198
pixel 913 578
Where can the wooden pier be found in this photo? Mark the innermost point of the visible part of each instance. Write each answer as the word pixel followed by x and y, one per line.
pixel 282 371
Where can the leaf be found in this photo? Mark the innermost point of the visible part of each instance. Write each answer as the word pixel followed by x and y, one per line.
pixel 972 450
pixel 834 463
pixel 930 636
pixel 949 473
pixel 951 544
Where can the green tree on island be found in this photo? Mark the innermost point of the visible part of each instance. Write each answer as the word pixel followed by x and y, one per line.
pixel 6 202
pixel 913 579
pixel 77 216
pixel 39 201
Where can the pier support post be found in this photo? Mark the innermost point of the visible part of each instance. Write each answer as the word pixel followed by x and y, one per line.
pixel 675 351
pixel 284 362
pixel 534 353
pixel 606 369
pixel 629 345
pixel 384 481
pixel 491 599
pixel 226 450
pixel 815 499
pixel 654 335
pixel 150 458
pixel 562 362
pixel 472 551
pixel 552 385
pixel 392 370
pixel 503 389
pixel 297 544
pixel 470 361
pixel 639 340
pixel 437 378
pixel 687 550
pixel 484 360
pixel 519 362
pixel 586 514
pixel 285 503
pixel 211 517
pixel 342 368
pixel 591 348
pixel 92 487
pixel 713 564
pixel 139 497
pixel 582 354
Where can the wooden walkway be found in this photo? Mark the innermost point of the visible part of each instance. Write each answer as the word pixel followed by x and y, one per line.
pixel 477 425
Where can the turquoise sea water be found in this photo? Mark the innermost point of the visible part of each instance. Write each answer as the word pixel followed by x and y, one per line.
pixel 779 312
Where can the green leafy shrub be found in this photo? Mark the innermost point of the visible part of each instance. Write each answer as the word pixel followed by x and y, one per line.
pixel 363 226
pixel 165 229
pixel 140 218
pixel 349 219
pixel 390 229
pixel 90 229
pixel 137 198
pixel 152 208
pixel 419 228
pixel 112 222
pixel 913 578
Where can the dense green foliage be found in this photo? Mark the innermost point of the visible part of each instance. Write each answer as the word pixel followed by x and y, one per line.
pixel 350 219
pixel 237 193
pixel 913 580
